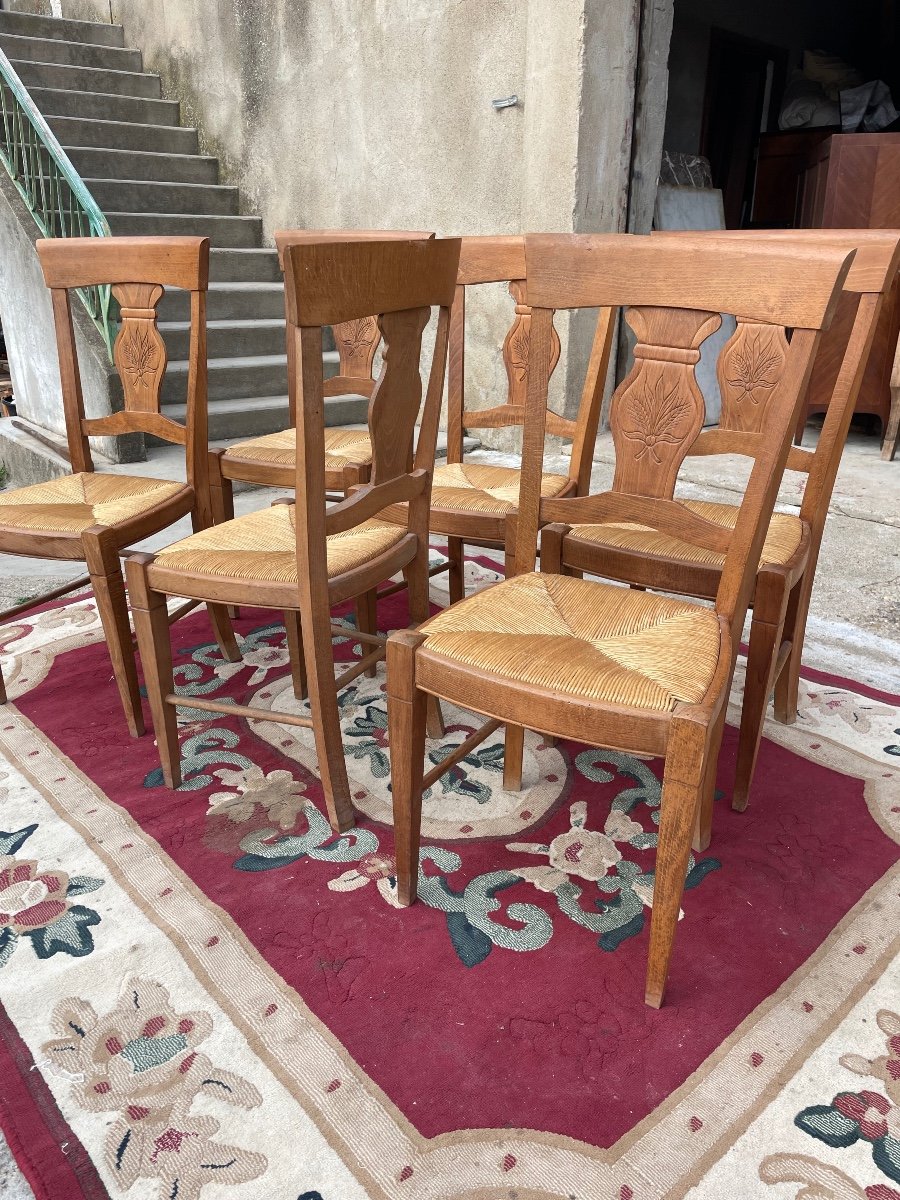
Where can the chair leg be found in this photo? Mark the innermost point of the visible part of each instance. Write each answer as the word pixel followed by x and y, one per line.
pixel 703 825
pixel 221 497
pixel 766 636
pixel 151 626
pixel 513 751
pixel 456 577
pixel 220 489
pixel 366 606
pixel 787 685
pixel 406 737
pixel 892 430
pixel 682 784
pixel 105 570
pixel 295 652
pixel 323 706
pixel 3 697
pixel 224 632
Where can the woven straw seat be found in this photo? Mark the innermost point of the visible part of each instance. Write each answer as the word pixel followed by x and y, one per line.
pixel 263 546
pixel 74 503
pixel 343 448
pixel 485 489
pixel 585 639
pixel 782 540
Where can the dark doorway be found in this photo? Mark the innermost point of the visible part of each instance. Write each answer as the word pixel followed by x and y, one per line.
pixel 744 77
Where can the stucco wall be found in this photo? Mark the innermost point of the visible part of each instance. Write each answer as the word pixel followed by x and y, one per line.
pixel 375 113
pixel 31 342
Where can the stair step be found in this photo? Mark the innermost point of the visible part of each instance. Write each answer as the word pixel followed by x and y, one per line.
pixel 95 162
pixel 90 32
pixel 226 339
pixel 88 79
pixel 256 265
pixel 76 54
pixel 104 107
pixel 229 302
pixel 222 231
pixel 228 378
pixel 257 415
pixel 159 199
pixel 123 135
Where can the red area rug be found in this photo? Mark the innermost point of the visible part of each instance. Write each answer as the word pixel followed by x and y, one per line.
pixel 510 998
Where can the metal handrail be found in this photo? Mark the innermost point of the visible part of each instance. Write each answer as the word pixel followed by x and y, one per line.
pixel 52 189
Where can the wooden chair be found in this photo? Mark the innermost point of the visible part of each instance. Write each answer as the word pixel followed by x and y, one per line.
pixel 475 503
pixel 270 460
pixel 89 516
pixel 296 556
pixel 747 371
pixel 597 662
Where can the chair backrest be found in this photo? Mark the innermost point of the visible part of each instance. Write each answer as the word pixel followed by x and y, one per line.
pixel 843 354
pixel 356 341
pixel 501 259
pixel 328 283
pixel 673 292
pixel 139 269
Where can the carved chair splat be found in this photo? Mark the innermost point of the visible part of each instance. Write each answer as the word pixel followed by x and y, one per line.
pixel 92 516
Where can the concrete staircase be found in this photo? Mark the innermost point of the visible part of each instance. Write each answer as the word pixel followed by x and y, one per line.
pixel 147 175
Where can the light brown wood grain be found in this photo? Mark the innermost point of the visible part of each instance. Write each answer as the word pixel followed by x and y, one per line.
pixel 671 316
pixel 402 281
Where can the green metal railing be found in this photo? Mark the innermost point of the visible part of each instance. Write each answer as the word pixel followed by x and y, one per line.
pixel 52 189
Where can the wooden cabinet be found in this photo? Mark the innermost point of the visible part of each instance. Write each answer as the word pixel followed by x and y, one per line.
pixel 852 181
pixel 815 179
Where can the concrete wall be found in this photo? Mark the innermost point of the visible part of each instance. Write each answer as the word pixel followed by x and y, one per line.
pixel 27 319
pixel 371 113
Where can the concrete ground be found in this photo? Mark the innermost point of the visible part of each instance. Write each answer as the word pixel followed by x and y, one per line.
pixel 854 626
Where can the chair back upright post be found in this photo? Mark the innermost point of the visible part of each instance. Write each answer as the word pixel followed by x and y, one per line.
pixel 139 270
pixel 356 340
pixel 672 293
pixel 332 283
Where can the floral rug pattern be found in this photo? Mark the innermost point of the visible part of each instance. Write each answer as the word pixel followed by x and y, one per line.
pixel 174 1059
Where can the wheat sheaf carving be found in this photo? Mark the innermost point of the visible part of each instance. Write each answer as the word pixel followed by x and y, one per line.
pixel 140 357
pixel 518 352
pixel 753 367
pixel 653 413
pixel 355 338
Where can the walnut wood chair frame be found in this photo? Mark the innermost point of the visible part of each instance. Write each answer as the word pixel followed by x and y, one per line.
pixel 673 294
pixel 357 342
pixel 325 284
pixel 139 269
pixel 746 370
pixel 486 260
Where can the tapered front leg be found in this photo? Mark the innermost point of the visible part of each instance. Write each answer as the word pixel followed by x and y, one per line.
pixel 682 783
pixel 105 571
pixel 151 626
pixel 323 707
pixel 406 737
